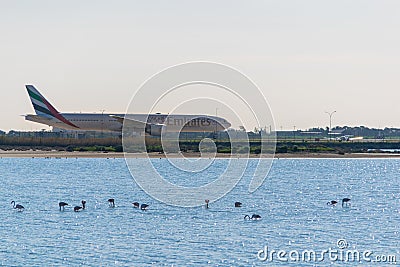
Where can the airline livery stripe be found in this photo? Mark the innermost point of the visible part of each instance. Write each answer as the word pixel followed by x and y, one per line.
pixel 41 104
pixel 41 113
pixel 56 114
pixel 34 96
pixel 43 110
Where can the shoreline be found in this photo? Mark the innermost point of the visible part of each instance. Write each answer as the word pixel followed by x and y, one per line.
pixel 65 154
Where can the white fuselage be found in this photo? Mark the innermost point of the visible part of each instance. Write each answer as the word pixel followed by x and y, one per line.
pixel 110 122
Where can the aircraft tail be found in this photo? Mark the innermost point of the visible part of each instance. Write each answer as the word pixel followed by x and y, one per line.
pixel 43 107
pixel 40 104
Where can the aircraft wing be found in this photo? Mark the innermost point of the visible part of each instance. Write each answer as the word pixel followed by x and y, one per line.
pixel 131 122
pixel 138 126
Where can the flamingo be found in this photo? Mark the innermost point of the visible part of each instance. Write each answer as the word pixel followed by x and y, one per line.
pixel 332 203
pixel 77 208
pixel 253 217
pixel 143 206
pixel 62 205
pixel 347 201
pixel 111 202
pixel 18 206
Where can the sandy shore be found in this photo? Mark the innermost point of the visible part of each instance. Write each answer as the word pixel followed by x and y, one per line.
pixel 64 154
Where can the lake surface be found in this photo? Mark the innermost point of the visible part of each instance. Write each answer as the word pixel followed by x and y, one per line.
pixel 292 202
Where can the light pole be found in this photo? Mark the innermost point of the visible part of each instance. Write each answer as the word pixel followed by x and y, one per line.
pixel 216 132
pixel 330 121
pixel 102 121
pixel 294 133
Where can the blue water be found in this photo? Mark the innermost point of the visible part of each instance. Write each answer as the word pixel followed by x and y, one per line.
pixel 292 203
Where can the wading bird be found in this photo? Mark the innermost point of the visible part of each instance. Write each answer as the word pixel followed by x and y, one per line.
pixel 77 208
pixel 18 206
pixel 111 202
pixel 253 217
pixel 347 201
pixel 332 203
pixel 143 206
pixel 62 205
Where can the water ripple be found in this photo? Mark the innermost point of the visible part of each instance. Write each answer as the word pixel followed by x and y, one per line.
pixel 292 203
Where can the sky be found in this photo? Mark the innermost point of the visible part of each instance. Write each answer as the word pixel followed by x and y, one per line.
pixel 307 57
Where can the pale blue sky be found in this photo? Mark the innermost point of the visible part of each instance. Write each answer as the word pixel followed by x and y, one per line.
pixel 307 57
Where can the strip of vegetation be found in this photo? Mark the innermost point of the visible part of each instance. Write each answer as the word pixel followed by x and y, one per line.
pixel 154 145
pixel 94 148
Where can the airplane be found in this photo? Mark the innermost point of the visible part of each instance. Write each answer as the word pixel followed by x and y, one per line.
pixel 344 138
pixel 151 124
pixel 348 138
